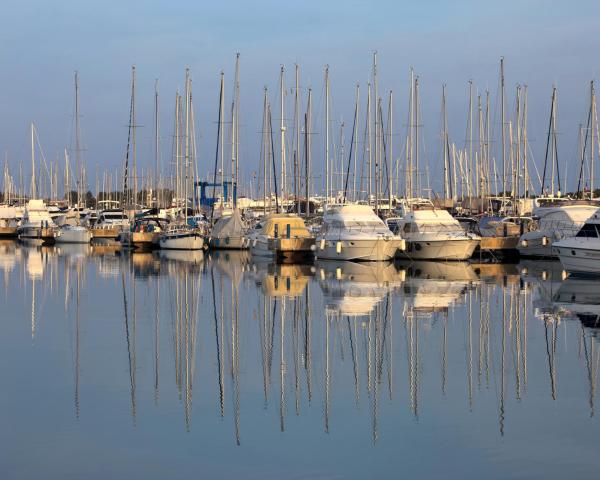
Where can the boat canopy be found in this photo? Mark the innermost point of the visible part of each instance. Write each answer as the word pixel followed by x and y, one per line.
pixel 280 222
pixel 229 226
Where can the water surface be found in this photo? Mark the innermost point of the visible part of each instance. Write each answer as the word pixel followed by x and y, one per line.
pixel 178 365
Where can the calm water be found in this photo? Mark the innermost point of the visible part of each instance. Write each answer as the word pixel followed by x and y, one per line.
pixel 185 365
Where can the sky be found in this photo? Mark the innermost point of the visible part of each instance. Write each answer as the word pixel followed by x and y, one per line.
pixel 43 43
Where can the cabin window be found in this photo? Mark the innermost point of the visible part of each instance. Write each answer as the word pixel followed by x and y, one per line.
pixel 589 230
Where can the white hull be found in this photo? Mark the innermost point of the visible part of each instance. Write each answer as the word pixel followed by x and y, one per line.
pixel 579 255
pixel 181 241
pixel 458 249
pixel 372 250
pixel 75 235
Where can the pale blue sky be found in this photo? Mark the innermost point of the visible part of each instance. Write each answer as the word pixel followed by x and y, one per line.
pixel 42 43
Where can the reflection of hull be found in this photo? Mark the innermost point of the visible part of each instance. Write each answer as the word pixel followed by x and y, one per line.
pixel 445 249
pixel 280 280
pixel 579 295
pixel 374 249
pixel 228 243
pixel 354 289
pixel 181 241
pixel 435 286
pixel 189 256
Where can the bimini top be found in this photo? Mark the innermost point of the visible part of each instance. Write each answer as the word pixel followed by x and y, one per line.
pixel 280 222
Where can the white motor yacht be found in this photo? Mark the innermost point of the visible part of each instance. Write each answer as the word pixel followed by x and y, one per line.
pixel 36 225
pixel 433 234
pixel 581 254
pixel 354 232
pixel 558 218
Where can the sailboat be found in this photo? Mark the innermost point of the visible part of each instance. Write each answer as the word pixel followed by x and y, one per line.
pixel 184 234
pixel 72 231
pixel 281 236
pixel 36 225
pixel 229 232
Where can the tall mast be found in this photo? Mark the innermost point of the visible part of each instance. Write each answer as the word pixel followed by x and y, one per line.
pixel 308 149
pixel 33 188
pixel 593 125
pixel 265 151
pixel 377 134
pixel 282 131
pixel 503 128
pixel 188 94
pixel 235 132
pixel 369 135
pixel 356 117
pixel 156 142
pixel 133 135
pixel 297 129
pixel 517 168
pixel 445 141
pixel 416 112
pixel 390 150
pixel 221 135
pixel 326 134
pixel 470 160
pixel 77 142
pixel 525 146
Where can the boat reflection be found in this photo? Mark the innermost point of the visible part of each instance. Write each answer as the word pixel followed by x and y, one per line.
pixel 354 289
pixel 436 286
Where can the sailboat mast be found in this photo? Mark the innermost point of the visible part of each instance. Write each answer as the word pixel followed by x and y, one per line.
pixel 156 142
pixel 445 141
pixel 502 106
pixel 133 136
pixel 33 188
pixel 77 142
pixel 297 129
pixel 308 149
pixel 369 136
pixel 282 141
pixel 326 134
pixel 593 125
pixel 390 150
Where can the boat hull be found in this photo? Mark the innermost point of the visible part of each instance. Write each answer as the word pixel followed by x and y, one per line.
pixel 579 257
pixel 8 232
pixel 38 235
pixel 74 236
pixel 181 241
pixel 368 250
pixel 139 240
pixel 228 243
pixel 458 249
pixel 283 249
pixel 105 233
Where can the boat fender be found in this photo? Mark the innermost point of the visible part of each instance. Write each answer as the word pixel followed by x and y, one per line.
pixel 338 247
pixel 545 241
pixel 322 245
